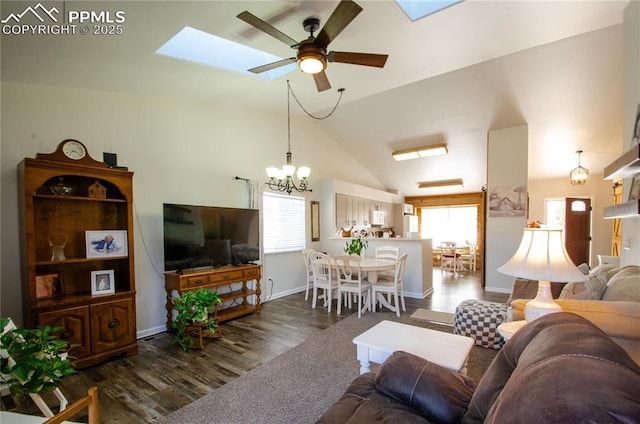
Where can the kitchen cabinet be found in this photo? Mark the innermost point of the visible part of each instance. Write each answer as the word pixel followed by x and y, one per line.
pixel 354 211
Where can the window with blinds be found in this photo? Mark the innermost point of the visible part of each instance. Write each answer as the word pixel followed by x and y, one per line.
pixel 284 226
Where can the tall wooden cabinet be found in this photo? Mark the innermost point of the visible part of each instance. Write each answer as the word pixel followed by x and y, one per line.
pixel 62 195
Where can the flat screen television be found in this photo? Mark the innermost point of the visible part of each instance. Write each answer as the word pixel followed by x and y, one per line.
pixel 209 236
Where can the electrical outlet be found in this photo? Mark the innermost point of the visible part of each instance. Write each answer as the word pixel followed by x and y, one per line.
pixel 626 243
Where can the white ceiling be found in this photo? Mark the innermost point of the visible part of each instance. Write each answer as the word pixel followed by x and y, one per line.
pixel 479 65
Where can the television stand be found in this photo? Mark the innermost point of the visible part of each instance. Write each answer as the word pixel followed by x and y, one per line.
pixel 233 284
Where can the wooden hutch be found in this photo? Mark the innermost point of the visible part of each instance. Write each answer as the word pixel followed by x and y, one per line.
pixel 62 196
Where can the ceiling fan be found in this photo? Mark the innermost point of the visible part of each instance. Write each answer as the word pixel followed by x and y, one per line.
pixel 312 54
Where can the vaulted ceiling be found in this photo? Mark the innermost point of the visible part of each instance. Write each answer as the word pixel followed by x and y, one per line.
pixel 556 66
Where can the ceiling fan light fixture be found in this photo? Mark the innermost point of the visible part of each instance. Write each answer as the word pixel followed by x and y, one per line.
pixel 455 183
pixel 420 152
pixel 311 60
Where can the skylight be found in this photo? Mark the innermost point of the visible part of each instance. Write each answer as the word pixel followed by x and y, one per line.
pixel 416 9
pixel 207 49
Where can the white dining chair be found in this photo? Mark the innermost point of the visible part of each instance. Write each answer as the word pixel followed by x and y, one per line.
pixel 448 256
pixel 387 252
pixel 350 282
pixel 322 266
pixel 469 258
pixel 306 254
pixel 394 288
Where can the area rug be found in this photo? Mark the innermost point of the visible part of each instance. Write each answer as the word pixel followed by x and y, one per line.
pixel 433 316
pixel 299 385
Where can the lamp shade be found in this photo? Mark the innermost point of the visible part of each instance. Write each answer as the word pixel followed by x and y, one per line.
pixel 542 256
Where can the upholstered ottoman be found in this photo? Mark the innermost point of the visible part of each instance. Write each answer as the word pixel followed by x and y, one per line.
pixel 479 319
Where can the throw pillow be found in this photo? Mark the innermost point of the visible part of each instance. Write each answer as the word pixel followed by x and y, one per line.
pixel 584 268
pixel 437 393
pixel 609 270
pixel 592 289
pixel 625 285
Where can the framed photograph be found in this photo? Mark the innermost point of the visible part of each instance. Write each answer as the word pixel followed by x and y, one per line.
pixel 634 193
pixel 102 282
pixel 315 220
pixel 48 285
pixel 107 243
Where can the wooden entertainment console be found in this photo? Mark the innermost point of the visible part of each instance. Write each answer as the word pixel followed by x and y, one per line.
pixel 234 279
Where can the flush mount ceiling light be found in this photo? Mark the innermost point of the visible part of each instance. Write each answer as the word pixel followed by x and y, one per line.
pixel 579 175
pixel 455 183
pixel 420 152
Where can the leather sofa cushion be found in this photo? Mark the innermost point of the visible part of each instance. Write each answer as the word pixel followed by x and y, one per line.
pixel 362 403
pixel 558 369
pixel 437 393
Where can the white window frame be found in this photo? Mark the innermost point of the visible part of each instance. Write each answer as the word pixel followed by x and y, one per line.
pixel 284 226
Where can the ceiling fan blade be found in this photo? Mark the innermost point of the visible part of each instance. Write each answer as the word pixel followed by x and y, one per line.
pixel 322 82
pixel 346 12
pixel 364 59
pixel 253 20
pixel 272 65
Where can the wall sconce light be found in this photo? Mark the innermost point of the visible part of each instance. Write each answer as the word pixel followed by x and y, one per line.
pixel 579 175
pixel 455 183
pixel 420 152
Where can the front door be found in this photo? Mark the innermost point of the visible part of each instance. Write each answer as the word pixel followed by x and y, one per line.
pixel 577 237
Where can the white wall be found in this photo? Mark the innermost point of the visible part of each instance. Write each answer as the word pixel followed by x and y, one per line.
pixel 631 226
pixel 182 152
pixel 600 192
pixel 507 166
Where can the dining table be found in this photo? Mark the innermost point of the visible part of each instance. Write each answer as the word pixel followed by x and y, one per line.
pixel 374 265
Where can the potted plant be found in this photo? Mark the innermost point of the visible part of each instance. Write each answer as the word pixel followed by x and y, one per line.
pixel 194 307
pixel 32 360
pixel 355 246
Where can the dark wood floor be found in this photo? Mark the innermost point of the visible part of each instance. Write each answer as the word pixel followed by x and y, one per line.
pixel 162 378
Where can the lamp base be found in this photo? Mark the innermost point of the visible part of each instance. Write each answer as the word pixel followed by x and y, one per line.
pixel 543 304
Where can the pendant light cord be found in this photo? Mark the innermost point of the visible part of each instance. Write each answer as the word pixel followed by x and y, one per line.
pixel 340 90
pixel 288 117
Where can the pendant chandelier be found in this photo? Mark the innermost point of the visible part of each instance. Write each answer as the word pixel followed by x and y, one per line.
pixel 579 175
pixel 283 179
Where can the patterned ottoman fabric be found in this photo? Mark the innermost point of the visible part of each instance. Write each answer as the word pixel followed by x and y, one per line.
pixel 479 320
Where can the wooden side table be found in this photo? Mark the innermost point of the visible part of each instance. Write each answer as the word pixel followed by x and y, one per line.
pixel 509 328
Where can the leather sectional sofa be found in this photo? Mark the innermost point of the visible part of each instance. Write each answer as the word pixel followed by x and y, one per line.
pixel 560 368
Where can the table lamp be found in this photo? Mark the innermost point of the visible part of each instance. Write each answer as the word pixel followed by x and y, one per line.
pixel 542 256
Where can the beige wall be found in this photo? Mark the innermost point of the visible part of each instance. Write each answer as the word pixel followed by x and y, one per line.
pixel 597 189
pixel 507 166
pixel 631 226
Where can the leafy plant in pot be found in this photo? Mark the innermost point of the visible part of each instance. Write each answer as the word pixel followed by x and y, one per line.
pixel 194 307
pixel 355 246
pixel 32 360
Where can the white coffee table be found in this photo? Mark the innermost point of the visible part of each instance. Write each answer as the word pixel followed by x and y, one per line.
pixel 380 341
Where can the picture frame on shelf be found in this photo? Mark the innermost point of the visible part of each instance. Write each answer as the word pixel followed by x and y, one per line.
pixel 106 243
pixel 49 285
pixel 634 193
pixel 103 282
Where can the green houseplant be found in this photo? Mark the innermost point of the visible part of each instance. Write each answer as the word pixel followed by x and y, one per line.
pixel 32 360
pixel 194 307
pixel 355 246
